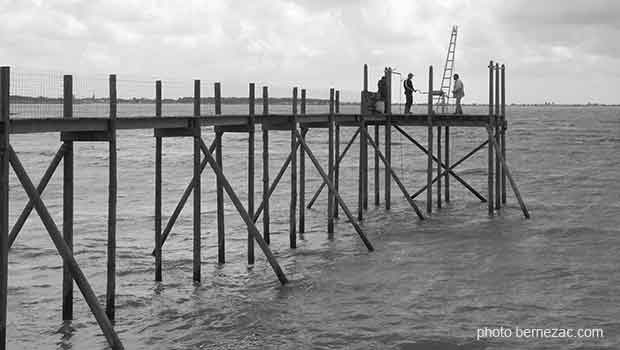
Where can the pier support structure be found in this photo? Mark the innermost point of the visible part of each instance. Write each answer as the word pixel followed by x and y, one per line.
pixel 67 203
pixel 297 124
pixel 388 138
pixel 4 200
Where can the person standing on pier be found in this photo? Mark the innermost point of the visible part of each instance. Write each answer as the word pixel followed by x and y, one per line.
pixel 409 90
pixel 458 92
pixel 381 95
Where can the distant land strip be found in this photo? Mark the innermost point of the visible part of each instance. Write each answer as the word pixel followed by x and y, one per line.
pixel 17 99
pixel 205 100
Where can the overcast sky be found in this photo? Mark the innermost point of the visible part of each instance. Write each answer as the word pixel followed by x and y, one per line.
pixel 565 51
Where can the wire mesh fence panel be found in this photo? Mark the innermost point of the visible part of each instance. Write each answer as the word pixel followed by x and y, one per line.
pixel 91 96
pixel 36 94
pixel 136 98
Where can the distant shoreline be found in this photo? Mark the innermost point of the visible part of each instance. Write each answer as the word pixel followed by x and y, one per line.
pixel 244 100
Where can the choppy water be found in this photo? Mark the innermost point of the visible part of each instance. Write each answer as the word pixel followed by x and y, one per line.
pixel 428 285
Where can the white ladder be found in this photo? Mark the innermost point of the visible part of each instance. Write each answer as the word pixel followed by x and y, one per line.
pixel 446 80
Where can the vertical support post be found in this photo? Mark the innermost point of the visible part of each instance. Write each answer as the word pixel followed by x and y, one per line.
pixel 251 134
pixel 361 164
pixel 439 169
pixel 365 150
pixel 503 132
pixel 219 191
pixel 158 180
pixel 197 185
pixel 365 168
pixel 266 217
pixel 497 120
pixel 365 77
pixel 112 189
pixel 377 166
pixel 337 152
pixel 67 202
pixel 429 165
pixel 388 137
pixel 447 152
pixel 302 170
pixel 293 204
pixel 330 166
pixel 490 145
pixel 360 182
pixel 4 200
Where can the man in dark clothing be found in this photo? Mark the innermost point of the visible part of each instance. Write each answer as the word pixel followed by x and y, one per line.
pixel 409 90
pixel 382 89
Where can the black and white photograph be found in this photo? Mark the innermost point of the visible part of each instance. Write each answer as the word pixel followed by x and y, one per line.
pixel 309 174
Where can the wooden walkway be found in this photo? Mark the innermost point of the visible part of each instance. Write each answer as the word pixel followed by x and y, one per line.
pixel 440 170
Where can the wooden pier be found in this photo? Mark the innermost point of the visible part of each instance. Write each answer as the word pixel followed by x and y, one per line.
pixel 300 124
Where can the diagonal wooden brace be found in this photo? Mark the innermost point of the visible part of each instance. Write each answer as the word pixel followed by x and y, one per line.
pixel 275 183
pixel 244 214
pixel 452 167
pixel 65 253
pixel 182 201
pixel 513 184
pixel 47 176
pixel 458 178
pixel 340 158
pixel 330 185
pixel 396 179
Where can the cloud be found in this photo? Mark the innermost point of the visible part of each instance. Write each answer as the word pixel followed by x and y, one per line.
pixel 548 46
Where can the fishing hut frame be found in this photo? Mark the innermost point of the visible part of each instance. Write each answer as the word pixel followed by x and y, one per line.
pixel 298 124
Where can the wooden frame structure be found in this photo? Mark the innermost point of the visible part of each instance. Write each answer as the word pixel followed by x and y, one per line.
pixel 299 125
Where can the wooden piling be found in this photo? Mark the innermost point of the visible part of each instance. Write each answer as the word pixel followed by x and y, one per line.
pixel 158 182
pixel 302 170
pixel 251 134
pixel 293 203
pixel 388 137
pixel 219 191
pixel 337 152
pixel 439 151
pixel 112 191
pixel 67 202
pixel 377 166
pixel 490 148
pixel 360 173
pixel 4 200
pixel 266 217
pixel 197 187
pixel 330 163
pixel 365 169
pixel 497 119
pixel 429 164
pixel 503 131
pixel 365 86
pixel 447 153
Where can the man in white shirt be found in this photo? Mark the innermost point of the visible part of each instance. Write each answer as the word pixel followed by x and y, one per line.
pixel 458 92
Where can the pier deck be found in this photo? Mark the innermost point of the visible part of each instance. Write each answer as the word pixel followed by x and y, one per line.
pixel 320 120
